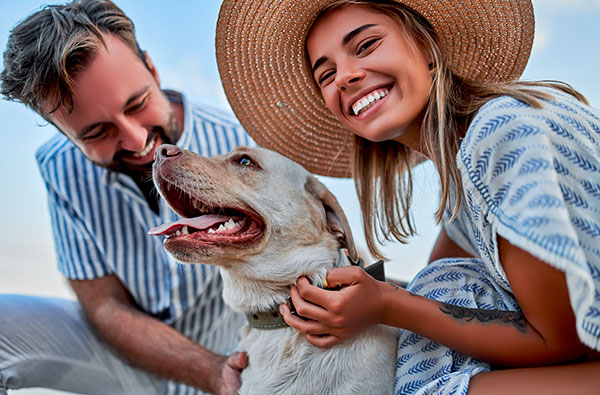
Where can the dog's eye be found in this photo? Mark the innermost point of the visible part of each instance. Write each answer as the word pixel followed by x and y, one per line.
pixel 245 161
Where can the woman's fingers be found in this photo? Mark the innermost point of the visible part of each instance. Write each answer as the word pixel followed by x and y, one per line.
pixel 323 341
pixel 310 293
pixel 344 276
pixel 308 327
pixel 309 307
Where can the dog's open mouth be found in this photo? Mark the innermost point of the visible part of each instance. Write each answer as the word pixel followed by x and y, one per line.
pixel 206 225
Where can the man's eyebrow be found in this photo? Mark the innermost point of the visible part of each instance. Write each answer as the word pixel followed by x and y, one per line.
pixel 347 38
pixel 131 99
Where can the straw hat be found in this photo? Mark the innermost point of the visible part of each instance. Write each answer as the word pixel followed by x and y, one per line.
pixel 260 53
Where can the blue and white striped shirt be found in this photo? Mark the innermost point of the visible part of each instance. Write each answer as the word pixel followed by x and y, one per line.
pixel 100 221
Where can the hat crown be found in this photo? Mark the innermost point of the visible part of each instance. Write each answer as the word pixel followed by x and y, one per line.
pixel 261 59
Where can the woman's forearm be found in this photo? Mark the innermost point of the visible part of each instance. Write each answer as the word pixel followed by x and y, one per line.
pixel 499 337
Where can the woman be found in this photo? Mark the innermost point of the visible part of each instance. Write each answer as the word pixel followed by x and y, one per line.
pixel 515 273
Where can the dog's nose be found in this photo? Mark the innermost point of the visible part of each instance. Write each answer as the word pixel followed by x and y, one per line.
pixel 166 151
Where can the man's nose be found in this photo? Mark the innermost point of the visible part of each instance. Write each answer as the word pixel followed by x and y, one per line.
pixel 133 136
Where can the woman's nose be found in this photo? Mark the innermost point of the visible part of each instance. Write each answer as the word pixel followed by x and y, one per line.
pixel 348 76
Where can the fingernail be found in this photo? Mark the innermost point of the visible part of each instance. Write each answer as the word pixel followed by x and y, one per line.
pixel 325 285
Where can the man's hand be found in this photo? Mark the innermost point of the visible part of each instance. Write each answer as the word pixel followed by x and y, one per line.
pixel 231 370
pixel 152 344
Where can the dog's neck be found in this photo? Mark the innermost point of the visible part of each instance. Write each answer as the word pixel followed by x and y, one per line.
pixel 252 295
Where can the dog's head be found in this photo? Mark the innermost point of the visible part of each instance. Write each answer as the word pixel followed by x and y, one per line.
pixel 248 211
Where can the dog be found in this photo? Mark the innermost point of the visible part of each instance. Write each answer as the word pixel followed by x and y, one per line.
pixel 266 221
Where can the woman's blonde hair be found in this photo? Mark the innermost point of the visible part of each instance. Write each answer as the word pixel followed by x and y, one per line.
pixel 382 170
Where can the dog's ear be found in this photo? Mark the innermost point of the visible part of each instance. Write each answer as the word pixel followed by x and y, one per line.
pixel 338 224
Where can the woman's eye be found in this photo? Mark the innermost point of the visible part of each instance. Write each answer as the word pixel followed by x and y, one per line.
pixel 325 76
pixel 366 45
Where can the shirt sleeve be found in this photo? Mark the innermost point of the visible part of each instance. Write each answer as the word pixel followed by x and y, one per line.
pixel 78 255
pixel 532 176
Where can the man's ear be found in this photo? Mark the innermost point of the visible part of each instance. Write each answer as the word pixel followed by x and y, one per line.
pixel 151 67
pixel 336 220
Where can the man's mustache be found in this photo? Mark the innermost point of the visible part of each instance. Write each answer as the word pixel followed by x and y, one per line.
pixel 157 130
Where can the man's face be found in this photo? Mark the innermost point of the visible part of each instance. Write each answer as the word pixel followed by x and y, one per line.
pixel 120 115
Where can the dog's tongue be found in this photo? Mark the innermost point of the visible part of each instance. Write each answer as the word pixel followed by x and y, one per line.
pixel 200 223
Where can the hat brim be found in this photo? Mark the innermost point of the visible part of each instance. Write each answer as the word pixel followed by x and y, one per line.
pixel 260 55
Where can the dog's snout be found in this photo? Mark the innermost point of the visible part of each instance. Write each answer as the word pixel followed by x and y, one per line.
pixel 166 151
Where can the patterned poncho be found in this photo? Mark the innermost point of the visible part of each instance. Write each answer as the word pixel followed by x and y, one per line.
pixel 531 176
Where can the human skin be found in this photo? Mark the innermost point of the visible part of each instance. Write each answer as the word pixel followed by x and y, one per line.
pixel 361 58
pixel 120 129
pixel 543 334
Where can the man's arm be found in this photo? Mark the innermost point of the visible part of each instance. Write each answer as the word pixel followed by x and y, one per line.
pixel 150 343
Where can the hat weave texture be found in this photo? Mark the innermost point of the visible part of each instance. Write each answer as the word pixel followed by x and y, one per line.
pixel 260 54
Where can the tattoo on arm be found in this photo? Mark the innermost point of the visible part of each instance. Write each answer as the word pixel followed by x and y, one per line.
pixel 513 318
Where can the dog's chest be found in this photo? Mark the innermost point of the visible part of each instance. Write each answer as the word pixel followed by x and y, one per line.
pixel 282 362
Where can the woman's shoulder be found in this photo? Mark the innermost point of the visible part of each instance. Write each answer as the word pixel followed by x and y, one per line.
pixel 507 122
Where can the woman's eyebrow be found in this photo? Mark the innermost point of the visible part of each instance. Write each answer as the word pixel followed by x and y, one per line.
pixel 355 32
pixel 347 38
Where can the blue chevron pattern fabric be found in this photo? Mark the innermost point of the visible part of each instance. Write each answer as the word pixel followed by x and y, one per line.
pixel 426 367
pixel 531 176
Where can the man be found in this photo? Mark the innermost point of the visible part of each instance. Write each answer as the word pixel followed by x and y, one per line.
pixel 143 324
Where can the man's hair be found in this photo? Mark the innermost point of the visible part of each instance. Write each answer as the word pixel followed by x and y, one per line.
pixel 47 50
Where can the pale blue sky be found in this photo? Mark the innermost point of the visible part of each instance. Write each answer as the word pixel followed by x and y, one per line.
pixel 179 36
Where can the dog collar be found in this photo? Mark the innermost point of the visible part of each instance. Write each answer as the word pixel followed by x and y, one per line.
pixel 272 319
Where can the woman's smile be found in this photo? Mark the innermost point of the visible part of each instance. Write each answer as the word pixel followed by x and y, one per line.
pixel 371 74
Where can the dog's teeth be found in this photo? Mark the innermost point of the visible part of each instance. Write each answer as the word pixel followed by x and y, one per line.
pixel 185 230
pixel 211 230
pixel 178 233
pixel 230 224
pixel 221 228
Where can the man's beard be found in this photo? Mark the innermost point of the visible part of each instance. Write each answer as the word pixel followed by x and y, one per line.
pixel 168 134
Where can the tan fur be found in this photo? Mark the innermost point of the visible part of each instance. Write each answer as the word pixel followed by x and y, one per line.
pixel 305 231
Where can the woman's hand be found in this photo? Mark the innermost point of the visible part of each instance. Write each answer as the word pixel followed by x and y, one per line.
pixel 331 316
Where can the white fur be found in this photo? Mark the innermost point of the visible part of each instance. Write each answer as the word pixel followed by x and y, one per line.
pixel 299 239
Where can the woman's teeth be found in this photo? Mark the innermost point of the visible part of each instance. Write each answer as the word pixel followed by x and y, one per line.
pixel 146 150
pixel 365 102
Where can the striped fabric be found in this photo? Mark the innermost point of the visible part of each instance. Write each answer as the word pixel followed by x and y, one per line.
pixel 531 176
pixel 100 221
